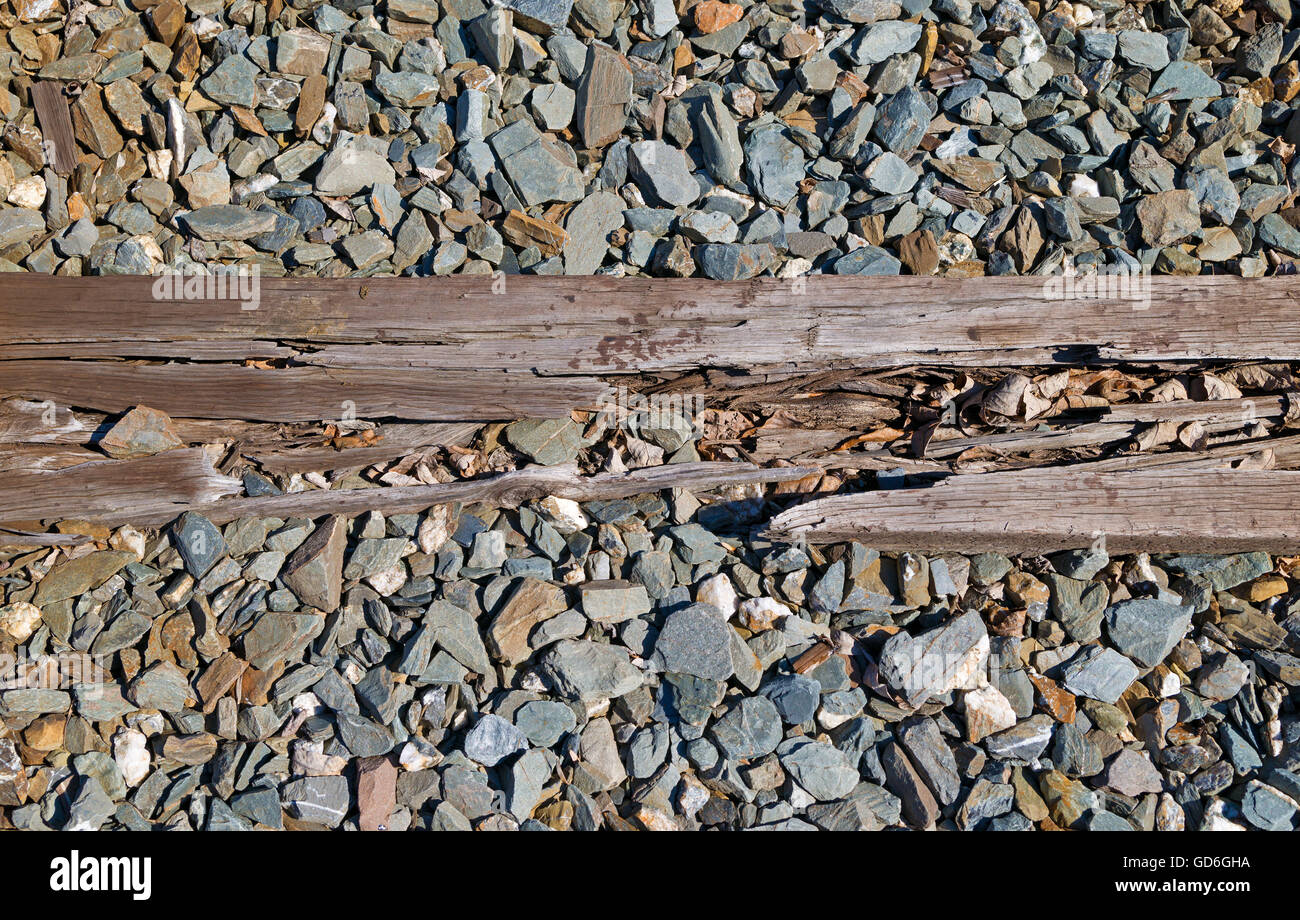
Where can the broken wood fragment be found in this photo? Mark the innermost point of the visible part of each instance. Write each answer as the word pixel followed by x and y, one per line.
pixel 120 491
pixel 54 115
pixel 190 484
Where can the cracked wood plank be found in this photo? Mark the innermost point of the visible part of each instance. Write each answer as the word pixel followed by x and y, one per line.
pixel 298 394
pixel 595 325
pixel 186 484
pixel 1036 511
pixel 158 487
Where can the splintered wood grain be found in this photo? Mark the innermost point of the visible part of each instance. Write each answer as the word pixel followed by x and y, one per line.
pixel 596 325
pixel 296 394
pixel 56 125
pixel 396 441
pixel 1035 511
pixel 155 488
pixel 504 490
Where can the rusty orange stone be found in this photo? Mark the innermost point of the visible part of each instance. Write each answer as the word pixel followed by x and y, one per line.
pixel 797 42
pixel 1286 81
pixel 1264 587
pixel 683 57
pixel 1060 705
pixel 46 733
pixel 521 230
pixel 852 84
pixel 1005 622
pixel 77 207
pixel 713 15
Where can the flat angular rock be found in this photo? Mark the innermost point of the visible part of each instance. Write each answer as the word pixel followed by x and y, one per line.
pixel 232 82
pixel 275 637
pixel 198 541
pixel 314 572
pixel 415 10
pixel 1222 677
pixel 1144 49
pixel 601 768
pixel 408 88
pixel 823 771
pixel 774 164
pixel 1168 217
pixel 544 722
pixel 376 793
pixel 1267 808
pixel 531 603
pixel 901 121
pixel 750 729
pixel 1079 605
pixel 603 95
pixel 579 670
pixel 949 657
pixel 454 630
pixel 549 442
pixel 492 739
pixel 351 167
pixel 1223 572
pixel 1182 81
pixel 734 261
pixel 589 225
pixel 540 169
pixel 227 222
pixel 661 172
pixel 919 809
pixel 614 601
pixel 932 758
pixel 552 104
pixel 795 696
pixel 526 781
pixel 696 640
pixel 74 577
pixel 541 16
pixel 1276 232
pixel 90 808
pixel 318 799
pixel 880 41
pixel 1024 741
pixel 1101 674
pixel 861 11
pixel 493 33
pixel 867 260
pixel 1131 773
pixel 1147 630
pixel 18 225
pixel 301 52
pixel 163 686
pixel 889 174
